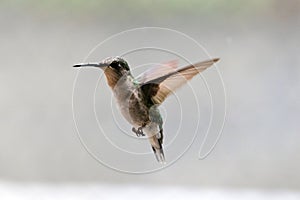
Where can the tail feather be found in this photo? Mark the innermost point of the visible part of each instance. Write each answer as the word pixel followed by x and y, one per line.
pixel 156 143
pixel 159 155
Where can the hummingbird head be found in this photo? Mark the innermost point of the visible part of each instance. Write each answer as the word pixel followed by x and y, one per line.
pixel 114 68
pixel 118 64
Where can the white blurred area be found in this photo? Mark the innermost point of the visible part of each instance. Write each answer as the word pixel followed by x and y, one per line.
pixel 133 192
pixel 258 156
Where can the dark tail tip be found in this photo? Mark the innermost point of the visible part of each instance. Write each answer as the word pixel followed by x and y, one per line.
pixel 159 155
pixel 215 59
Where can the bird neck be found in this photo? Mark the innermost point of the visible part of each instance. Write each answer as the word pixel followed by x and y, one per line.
pixel 113 78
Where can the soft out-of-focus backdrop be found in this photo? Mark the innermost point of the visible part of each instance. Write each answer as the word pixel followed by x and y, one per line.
pixel 259 45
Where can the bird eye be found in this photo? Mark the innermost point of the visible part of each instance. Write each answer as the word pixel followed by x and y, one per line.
pixel 119 65
pixel 115 65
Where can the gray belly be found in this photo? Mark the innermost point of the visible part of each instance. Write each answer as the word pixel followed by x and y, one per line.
pixel 138 112
pixel 133 109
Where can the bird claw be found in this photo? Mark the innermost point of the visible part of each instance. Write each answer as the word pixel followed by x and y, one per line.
pixel 138 132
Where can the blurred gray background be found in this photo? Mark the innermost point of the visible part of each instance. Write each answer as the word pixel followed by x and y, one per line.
pixel 259 45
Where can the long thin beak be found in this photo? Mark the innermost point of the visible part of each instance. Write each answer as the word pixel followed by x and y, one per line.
pixel 91 65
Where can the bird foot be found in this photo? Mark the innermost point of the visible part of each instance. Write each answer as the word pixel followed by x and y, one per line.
pixel 138 132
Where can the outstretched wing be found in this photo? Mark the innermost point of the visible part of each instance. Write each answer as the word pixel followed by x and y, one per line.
pixel 158 71
pixel 159 88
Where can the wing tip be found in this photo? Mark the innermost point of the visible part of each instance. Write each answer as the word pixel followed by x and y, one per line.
pixel 215 59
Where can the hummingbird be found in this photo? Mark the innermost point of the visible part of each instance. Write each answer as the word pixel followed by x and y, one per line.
pixel 138 98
